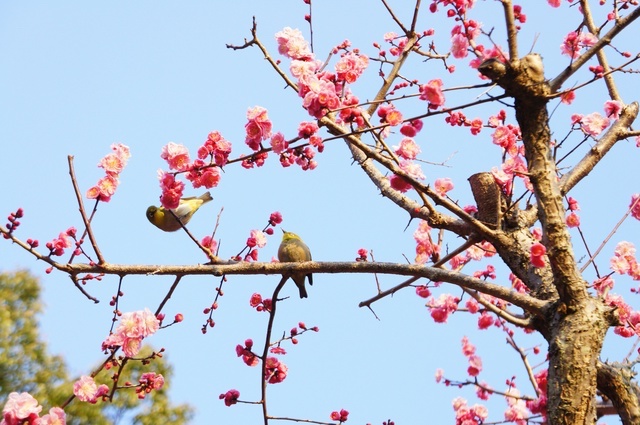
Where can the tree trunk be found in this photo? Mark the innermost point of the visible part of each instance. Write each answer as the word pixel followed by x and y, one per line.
pixel 575 342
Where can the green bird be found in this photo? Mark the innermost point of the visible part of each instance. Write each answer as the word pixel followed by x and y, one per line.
pixel 291 250
pixel 164 220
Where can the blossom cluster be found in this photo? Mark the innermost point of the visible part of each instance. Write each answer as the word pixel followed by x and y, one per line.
pixel 628 319
pixel 259 128
pixel 459 119
pixel 469 414
pixel 14 222
pixel 258 238
pixel 575 41
pixel 624 260
pixel 517 411
pixel 595 123
pixel 340 416
pixel 295 332
pixel 248 357
pixel 204 171
pixel 475 252
pixel 321 91
pixel 461 36
pixel 275 371
pixel 113 164
pixel 58 245
pixel 572 219
pixel 464 36
pixel 23 408
pixel 259 303
pixel 408 150
pixel 425 247
pixel 442 307
pixel 133 328
pixel 148 382
pixel 475 362
pixel 509 138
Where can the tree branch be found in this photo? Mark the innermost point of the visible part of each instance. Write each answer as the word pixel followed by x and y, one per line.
pixel 524 301
pixel 557 82
pixel 602 58
pixel 512 32
pixel 617 132
pixel 615 381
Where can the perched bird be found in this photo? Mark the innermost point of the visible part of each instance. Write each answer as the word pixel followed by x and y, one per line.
pixel 164 220
pixel 292 249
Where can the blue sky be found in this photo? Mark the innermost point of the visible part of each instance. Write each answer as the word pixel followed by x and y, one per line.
pixel 78 77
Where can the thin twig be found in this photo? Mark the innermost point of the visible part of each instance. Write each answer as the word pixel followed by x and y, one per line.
pixel 408 282
pixel 86 221
pixel 267 344
pixel 166 297
pixel 613 231
pixel 206 251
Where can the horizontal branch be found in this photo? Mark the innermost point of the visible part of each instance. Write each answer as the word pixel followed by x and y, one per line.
pixel 524 301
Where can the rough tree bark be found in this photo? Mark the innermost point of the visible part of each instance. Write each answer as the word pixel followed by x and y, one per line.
pixel 575 323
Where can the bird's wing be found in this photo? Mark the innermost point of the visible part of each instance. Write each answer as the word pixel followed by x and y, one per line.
pixel 183 210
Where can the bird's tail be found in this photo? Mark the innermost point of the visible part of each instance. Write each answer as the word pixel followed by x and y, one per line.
pixel 206 197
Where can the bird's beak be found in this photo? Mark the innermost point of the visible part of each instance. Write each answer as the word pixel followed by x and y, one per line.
pixel 283 231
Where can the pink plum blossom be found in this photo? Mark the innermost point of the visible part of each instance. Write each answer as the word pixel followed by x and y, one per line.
pixel 172 190
pixel 572 220
pixel 351 66
pixel 538 251
pixel 408 148
pixel 568 97
pixel 574 42
pixel 113 164
pixel 443 185
pixel 517 410
pixel 278 143
pixel 635 206
pixel 275 371
pixel 56 416
pixel 257 238
pixel 612 108
pixel 258 127
pixel 176 155
pixel 230 397
pixel 425 247
pixel 132 329
pixel 594 123
pixel 217 147
pixel 340 416
pixel 459 46
pixel 306 129
pixel 475 366
pixel 292 44
pixel 432 93
pixel 442 307
pixel 20 407
pixel 87 390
